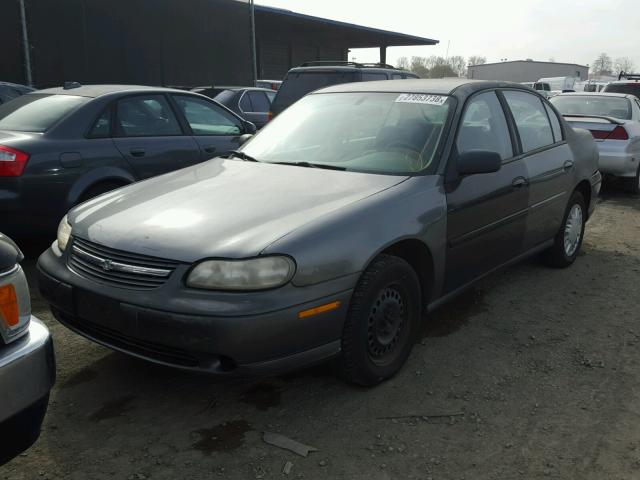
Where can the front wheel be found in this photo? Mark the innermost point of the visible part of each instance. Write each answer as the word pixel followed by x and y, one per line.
pixel 568 240
pixel 382 321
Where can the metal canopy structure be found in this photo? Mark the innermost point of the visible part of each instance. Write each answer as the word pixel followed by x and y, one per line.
pixel 171 42
pixel 286 39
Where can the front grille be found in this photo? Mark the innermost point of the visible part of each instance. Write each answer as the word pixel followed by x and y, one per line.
pixel 114 339
pixel 118 268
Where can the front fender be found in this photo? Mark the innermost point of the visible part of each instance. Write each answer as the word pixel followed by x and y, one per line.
pixel 344 242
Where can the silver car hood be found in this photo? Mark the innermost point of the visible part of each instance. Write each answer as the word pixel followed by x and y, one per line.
pixel 220 208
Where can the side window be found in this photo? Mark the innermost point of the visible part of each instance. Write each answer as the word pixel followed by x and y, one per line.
pixel 396 76
pixel 245 103
pixel 102 126
pixel 207 118
pixel 259 102
pixel 484 127
pixel 555 123
pixel 146 116
pixel 369 76
pixel 531 120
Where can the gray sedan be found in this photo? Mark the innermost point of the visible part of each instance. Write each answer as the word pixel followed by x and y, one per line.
pixel 360 208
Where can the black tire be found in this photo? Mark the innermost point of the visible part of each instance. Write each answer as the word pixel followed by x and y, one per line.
pixel 382 322
pixel 98 189
pixel 632 185
pixel 557 256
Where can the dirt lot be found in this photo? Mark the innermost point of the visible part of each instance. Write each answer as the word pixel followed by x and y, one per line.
pixel 534 374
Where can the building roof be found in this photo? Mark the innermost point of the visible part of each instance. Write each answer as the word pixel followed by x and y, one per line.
pixel 356 36
pixel 529 61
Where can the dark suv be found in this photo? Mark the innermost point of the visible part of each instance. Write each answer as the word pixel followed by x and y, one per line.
pixel 314 75
pixel 628 83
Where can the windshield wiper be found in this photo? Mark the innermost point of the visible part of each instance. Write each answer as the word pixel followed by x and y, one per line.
pixel 312 165
pixel 242 155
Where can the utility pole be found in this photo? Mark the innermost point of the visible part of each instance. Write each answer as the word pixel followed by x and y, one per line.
pixel 254 56
pixel 25 43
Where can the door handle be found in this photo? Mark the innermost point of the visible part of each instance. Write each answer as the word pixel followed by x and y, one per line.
pixel 210 149
pixel 568 165
pixel 519 182
pixel 138 152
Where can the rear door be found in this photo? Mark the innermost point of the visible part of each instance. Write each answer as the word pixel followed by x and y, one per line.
pixel 150 137
pixel 255 106
pixel 549 162
pixel 215 129
pixel 486 221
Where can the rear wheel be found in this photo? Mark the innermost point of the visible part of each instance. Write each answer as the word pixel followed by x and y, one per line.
pixel 568 240
pixel 632 185
pixel 382 321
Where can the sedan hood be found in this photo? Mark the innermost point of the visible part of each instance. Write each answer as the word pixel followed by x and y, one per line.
pixel 221 208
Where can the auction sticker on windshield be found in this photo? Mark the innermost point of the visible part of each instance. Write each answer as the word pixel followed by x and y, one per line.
pixel 421 98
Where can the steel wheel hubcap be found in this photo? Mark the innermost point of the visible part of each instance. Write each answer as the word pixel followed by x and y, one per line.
pixel 573 230
pixel 387 319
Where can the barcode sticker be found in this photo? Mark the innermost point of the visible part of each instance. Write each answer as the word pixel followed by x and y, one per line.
pixel 421 98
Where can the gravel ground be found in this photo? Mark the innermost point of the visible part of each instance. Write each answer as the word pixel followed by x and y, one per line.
pixel 533 374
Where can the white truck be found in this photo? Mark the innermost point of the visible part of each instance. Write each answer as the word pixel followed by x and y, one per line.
pixel 557 84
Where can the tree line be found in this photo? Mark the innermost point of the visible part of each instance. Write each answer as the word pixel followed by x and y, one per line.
pixel 605 65
pixel 440 67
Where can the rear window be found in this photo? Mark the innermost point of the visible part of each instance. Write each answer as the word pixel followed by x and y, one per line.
pixel 297 84
pixel 628 88
pixel 37 112
pixel 598 105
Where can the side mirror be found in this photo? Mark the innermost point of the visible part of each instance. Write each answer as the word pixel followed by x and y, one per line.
pixel 242 139
pixel 249 128
pixel 478 161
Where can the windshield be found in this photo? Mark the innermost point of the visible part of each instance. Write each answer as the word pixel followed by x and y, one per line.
pixel 598 105
pixel 370 132
pixel 37 112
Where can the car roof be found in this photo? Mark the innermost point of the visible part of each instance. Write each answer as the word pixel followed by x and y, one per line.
pixel 445 86
pixel 17 86
pixel 628 80
pixel 345 68
pixel 596 94
pixel 94 91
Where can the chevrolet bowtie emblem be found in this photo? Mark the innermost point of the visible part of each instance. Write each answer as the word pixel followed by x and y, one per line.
pixel 107 265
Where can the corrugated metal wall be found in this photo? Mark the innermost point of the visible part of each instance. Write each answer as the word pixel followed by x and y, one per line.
pixel 151 42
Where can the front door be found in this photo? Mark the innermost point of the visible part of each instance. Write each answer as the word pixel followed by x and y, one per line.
pixel 149 136
pixel 487 213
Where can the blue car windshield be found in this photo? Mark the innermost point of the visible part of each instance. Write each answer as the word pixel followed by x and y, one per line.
pixel 393 133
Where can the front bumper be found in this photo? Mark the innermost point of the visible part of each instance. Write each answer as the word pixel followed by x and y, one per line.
pixel 213 332
pixel 27 370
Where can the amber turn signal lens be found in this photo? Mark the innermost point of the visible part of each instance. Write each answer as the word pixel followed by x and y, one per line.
pixel 317 310
pixel 9 305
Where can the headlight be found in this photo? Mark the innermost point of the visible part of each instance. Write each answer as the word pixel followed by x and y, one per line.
pixel 64 231
pixel 253 274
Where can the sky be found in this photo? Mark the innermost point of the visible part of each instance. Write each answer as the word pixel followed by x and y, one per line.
pixel 571 31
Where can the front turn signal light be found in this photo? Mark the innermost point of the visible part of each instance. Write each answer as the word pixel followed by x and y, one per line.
pixel 9 311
